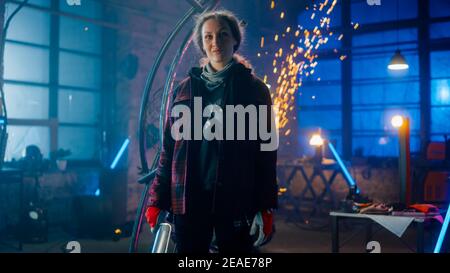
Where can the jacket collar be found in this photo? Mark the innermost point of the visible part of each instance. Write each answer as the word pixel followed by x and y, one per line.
pixel 239 68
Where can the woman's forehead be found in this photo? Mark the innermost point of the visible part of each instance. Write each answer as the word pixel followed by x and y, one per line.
pixel 214 25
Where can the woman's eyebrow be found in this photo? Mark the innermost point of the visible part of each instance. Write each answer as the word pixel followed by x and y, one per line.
pixel 220 29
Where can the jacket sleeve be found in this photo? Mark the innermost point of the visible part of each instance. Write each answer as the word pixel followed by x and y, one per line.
pixel 266 161
pixel 160 188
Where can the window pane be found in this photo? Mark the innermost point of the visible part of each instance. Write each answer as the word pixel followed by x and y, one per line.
pixel 43 3
pixel 440 64
pixel 86 8
pixel 319 95
pixel 79 35
pixel 376 146
pixel 362 12
pixel 375 66
pixel 26 63
pixel 326 119
pixel 386 37
pixel 78 107
pixel 440 92
pixel 439 8
pixel 380 120
pixel 386 93
pixel 440 120
pixel 81 141
pixel 382 145
pixel 325 70
pixel 29 25
pixel 19 137
pixel 28 102
pixel 79 71
pixel 440 30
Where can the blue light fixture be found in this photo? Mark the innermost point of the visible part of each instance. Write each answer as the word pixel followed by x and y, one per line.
pixel 351 183
pixel 120 153
pixel 444 228
pixel 97 192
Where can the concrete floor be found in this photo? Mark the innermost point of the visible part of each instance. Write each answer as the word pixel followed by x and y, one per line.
pixel 290 237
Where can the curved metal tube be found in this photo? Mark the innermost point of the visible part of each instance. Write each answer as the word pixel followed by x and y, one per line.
pixel 149 83
pixel 168 86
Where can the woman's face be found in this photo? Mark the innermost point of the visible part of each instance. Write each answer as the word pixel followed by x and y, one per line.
pixel 218 42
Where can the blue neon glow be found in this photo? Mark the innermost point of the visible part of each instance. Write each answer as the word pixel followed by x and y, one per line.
pixel 2 121
pixel 440 240
pixel 120 153
pixel 348 177
pixel 97 192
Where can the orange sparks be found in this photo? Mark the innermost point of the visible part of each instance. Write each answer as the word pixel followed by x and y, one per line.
pixel 300 57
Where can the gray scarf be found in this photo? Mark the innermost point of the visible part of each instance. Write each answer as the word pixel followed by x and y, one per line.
pixel 213 80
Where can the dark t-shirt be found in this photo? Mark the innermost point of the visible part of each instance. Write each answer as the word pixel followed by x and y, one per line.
pixel 208 150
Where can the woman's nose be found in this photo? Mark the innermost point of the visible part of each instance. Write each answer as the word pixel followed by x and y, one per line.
pixel 216 40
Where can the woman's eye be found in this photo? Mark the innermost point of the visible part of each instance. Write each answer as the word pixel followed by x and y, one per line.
pixel 208 37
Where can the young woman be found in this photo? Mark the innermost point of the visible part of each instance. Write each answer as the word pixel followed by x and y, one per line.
pixel 222 188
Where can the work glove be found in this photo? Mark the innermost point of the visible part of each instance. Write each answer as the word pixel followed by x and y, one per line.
pixel 152 214
pixel 263 225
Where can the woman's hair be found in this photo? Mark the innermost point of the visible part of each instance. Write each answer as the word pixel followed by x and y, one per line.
pixel 223 15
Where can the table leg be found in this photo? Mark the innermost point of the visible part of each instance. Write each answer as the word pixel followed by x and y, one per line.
pixel 334 234
pixel 420 237
pixel 368 231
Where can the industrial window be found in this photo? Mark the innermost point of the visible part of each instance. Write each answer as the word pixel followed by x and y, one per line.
pixel 363 13
pixel 439 8
pixel 440 94
pixel 378 94
pixel 73 100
